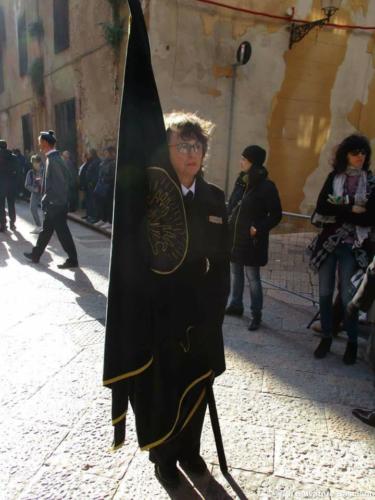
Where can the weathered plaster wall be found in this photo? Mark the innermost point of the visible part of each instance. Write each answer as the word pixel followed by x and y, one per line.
pixel 86 71
pixel 297 103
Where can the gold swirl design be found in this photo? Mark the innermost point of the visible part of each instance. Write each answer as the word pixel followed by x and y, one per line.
pixel 166 222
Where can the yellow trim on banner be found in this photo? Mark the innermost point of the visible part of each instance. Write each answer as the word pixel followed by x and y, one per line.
pixel 118 419
pixel 195 408
pixel 129 374
pixel 161 440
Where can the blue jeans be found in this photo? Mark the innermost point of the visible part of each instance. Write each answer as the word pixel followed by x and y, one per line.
pixel 343 259
pixel 256 291
pixel 237 285
pixel 35 199
pixel 238 272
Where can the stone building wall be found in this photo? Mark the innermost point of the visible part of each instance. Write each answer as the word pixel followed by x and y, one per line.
pixel 86 71
pixel 297 103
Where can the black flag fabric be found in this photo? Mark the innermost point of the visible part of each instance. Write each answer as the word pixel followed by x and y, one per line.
pixel 146 360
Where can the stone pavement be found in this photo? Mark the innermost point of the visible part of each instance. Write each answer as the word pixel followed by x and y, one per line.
pixel 285 417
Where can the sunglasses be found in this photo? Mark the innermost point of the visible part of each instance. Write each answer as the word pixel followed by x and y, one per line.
pixel 185 148
pixel 356 152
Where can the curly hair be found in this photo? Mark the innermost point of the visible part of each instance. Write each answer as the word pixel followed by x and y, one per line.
pixel 189 125
pixel 351 143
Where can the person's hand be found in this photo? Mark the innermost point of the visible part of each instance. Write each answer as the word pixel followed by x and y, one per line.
pixel 253 231
pixel 335 200
pixel 357 209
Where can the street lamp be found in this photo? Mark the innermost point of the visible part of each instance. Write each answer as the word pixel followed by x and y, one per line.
pixel 299 31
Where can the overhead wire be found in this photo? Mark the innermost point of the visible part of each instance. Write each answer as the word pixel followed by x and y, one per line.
pixel 290 18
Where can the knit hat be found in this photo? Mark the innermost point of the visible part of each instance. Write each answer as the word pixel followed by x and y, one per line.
pixel 255 154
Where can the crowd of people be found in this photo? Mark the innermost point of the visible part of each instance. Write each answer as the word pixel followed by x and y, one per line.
pixel 91 185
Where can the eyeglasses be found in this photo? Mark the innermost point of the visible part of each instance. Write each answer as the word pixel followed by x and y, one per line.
pixel 357 152
pixel 185 148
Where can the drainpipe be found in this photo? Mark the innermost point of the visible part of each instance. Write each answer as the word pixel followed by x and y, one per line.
pixel 230 126
pixel 243 56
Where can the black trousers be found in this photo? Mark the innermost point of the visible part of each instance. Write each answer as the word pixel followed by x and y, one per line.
pixel 183 446
pixel 55 220
pixel 10 199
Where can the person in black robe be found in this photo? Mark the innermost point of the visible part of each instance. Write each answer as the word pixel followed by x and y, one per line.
pixel 169 273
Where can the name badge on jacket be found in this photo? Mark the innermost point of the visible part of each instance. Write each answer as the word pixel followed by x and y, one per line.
pixel 215 220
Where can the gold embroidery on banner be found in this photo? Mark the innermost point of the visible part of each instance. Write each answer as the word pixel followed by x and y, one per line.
pixel 166 222
pixel 128 374
pixel 161 440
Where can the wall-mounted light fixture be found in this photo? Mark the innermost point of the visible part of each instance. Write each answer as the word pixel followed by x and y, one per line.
pixel 299 31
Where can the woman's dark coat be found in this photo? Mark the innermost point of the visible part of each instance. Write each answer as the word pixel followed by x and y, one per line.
pixel 260 207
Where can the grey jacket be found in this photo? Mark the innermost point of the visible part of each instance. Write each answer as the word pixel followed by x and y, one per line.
pixel 56 182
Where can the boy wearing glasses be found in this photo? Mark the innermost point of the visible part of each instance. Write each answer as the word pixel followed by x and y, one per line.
pixel 193 300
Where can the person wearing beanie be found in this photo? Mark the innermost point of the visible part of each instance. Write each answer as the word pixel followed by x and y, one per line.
pixel 8 179
pixel 254 209
pixel 55 202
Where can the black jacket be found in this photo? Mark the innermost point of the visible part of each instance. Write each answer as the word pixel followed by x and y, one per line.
pixel 261 208
pixel 238 191
pixel 92 173
pixel 56 183
pixel 343 213
pixel 8 172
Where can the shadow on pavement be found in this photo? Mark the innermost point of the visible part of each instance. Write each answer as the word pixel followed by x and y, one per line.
pixel 4 254
pixel 204 487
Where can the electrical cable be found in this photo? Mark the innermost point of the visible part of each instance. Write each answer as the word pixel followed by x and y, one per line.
pixel 283 18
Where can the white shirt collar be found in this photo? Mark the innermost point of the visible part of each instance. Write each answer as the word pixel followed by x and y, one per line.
pixel 185 190
pixel 52 151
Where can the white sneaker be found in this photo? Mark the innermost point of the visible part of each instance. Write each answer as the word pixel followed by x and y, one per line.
pixel 99 223
pixel 36 230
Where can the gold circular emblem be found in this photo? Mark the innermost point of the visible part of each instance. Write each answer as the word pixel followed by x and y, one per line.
pixel 166 222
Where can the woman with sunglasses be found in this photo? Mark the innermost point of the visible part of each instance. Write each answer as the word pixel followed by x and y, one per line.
pixel 345 211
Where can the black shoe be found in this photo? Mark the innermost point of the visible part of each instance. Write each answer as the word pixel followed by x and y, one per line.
pixel 234 311
pixel 195 465
pixel 167 475
pixel 68 264
pixel 323 348
pixel 255 323
pixel 350 356
pixel 366 416
pixel 31 257
pixel 12 226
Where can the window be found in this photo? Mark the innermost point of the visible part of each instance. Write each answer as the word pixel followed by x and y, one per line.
pixel 22 45
pixel 2 86
pixel 27 132
pixel 61 24
pixel 66 128
pixel 2 27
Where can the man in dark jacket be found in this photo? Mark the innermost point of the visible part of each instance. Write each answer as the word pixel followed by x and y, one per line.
pixel 55 201
pixel 8 182
pixel 258 211
pixel 91 179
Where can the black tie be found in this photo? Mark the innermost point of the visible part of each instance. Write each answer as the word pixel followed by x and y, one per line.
pixel 188 200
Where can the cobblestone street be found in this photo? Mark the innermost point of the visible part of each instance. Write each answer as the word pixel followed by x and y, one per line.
pixel 286 418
